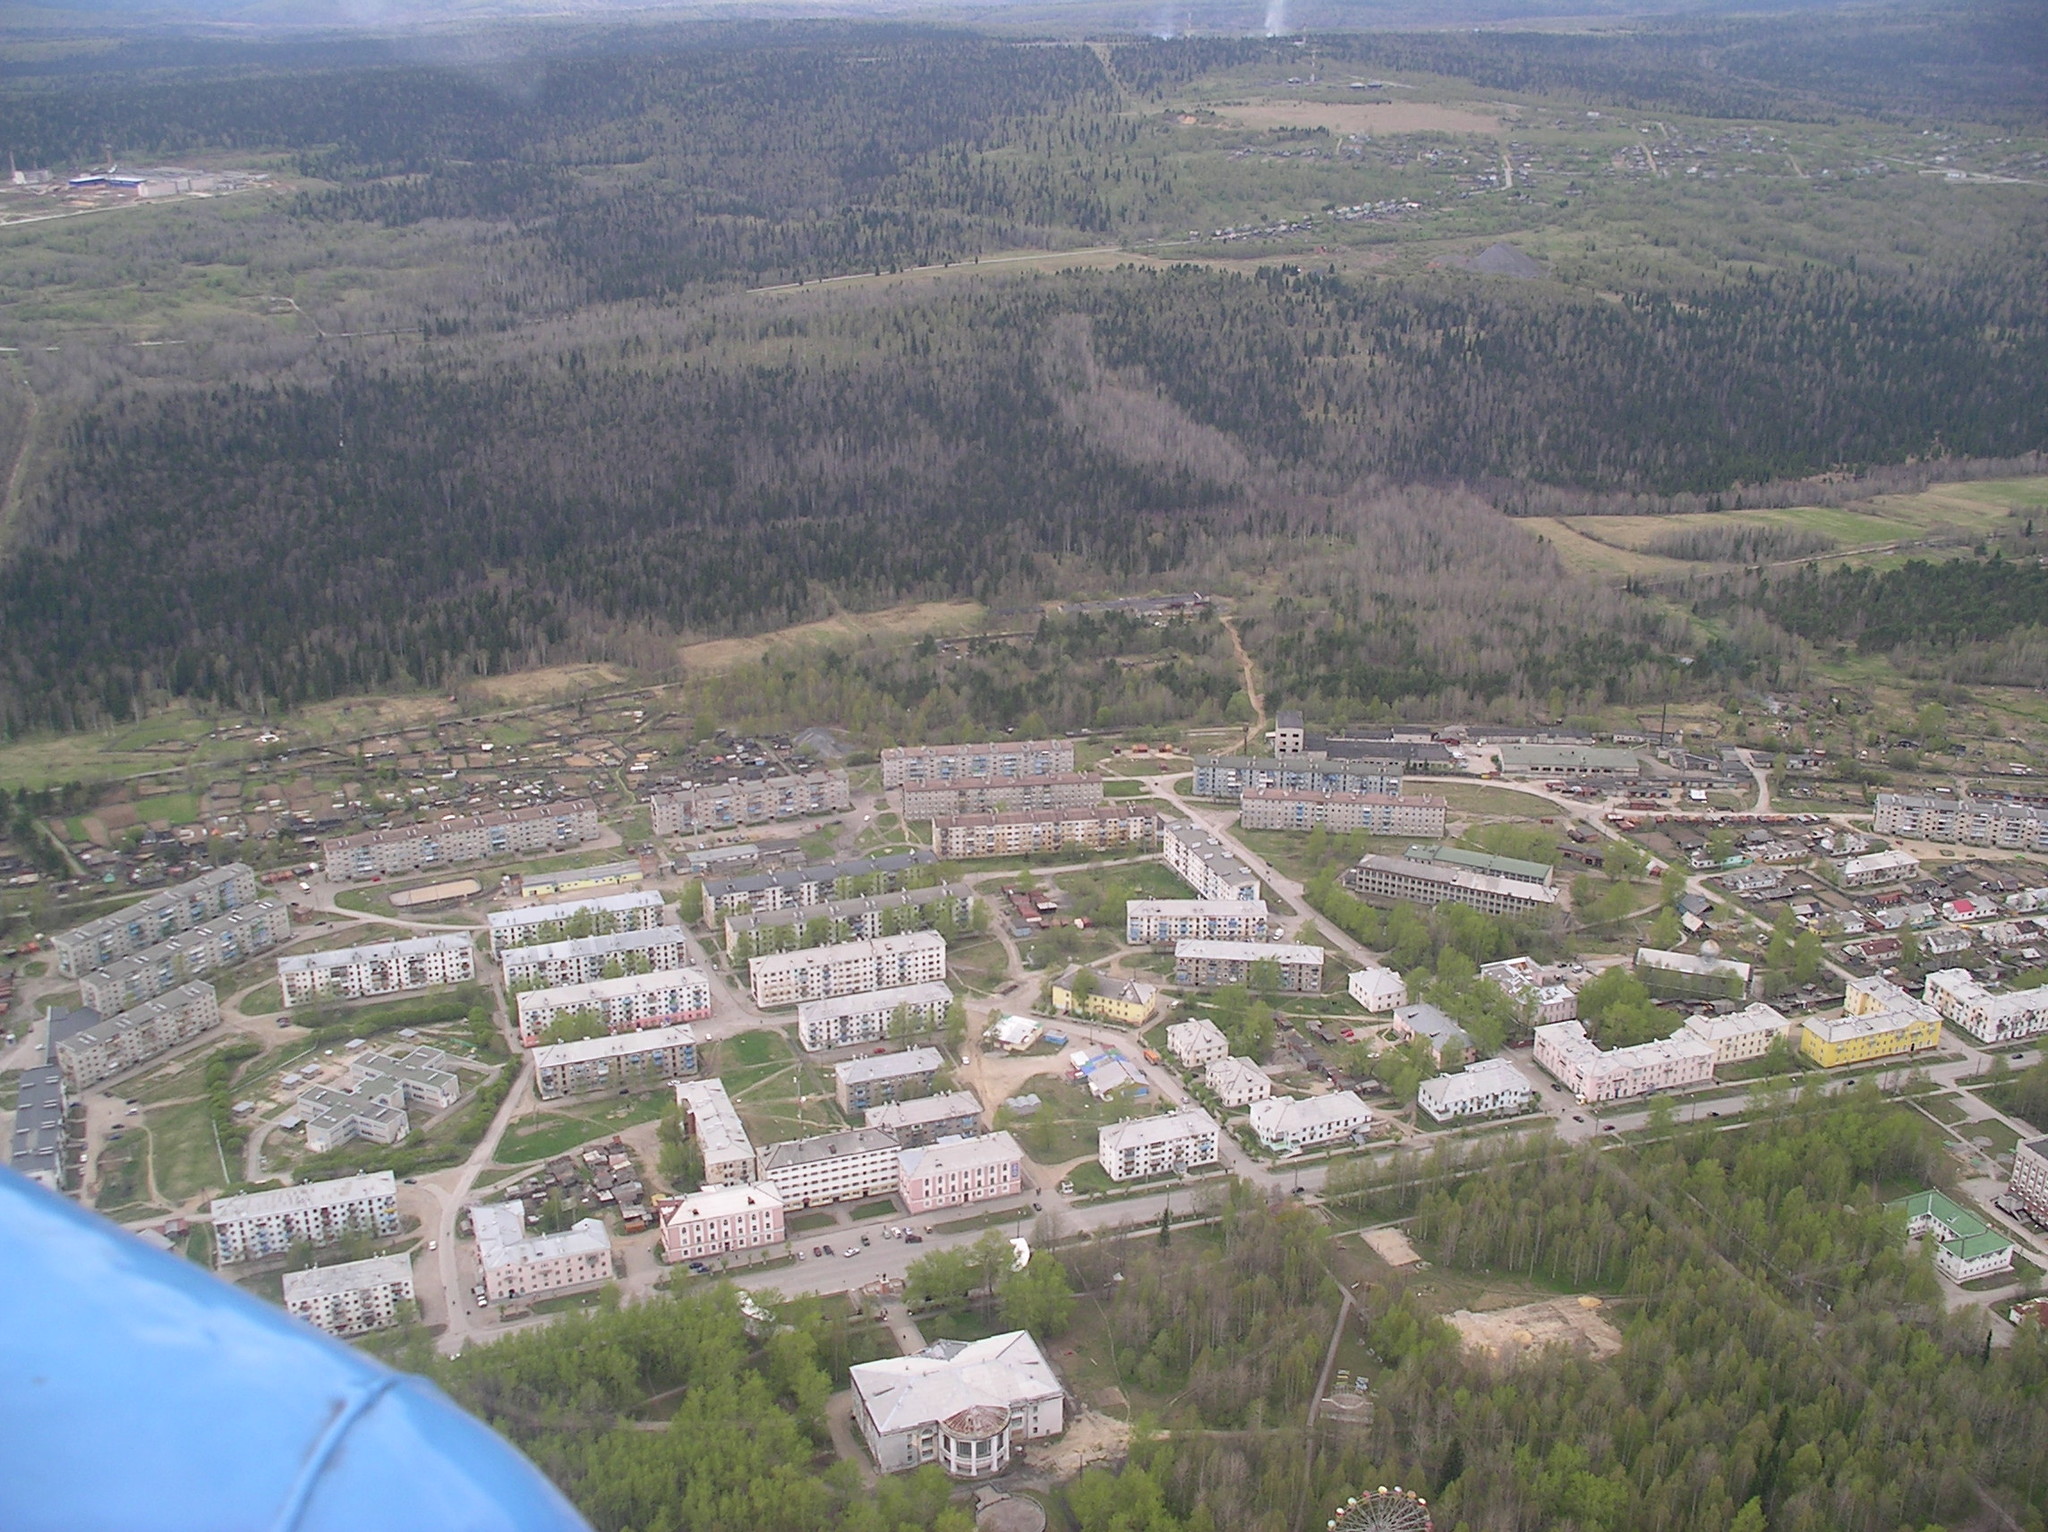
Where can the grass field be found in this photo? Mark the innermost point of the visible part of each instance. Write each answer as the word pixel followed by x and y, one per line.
pixel 1493 798
pixel 183 1154
pixel 547 1134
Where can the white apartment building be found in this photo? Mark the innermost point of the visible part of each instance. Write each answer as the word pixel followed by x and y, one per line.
pixel 258 1224
pixel 1377 989
pixel 353 1297
pixel 1974 821
pixel 1205 864
pixel 710 1117
pixel 1031 832
pixel 1237 1082
pixel 122 1041
pixel 847 1021
pixel 998 795
pixel 148 921
pixel 2030 1177
pixel 943 908
pixel 957 1171
pixel 614 1063
pixel 927 1119
pixel 965 1405
pixel 1290 808
pixel 1402 878
pixel 1478 1090
pixel 1877 867
pixel 877 1078
pixel 584 959
pixel 1156 1146
pixel 701 807
pixel 1672 1063
pixel 1285 1124
pixel 1196 1043
pixel 240 934
pixel 848 968
pixel 503 832
pixel 1161 921
pixel 637 1002
pixel 1207 964
pixel 1744 1034
pixel 721 1220
pixel 544 924
pixel 518 1265
pixel 383 968
pixel 1522 979
pixel 1964 1003
pixel 997 758
pixel 833 1167
pixel 819 883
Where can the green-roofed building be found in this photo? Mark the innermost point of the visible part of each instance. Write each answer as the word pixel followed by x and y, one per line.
pixel 1479 861
pixel 1966 1247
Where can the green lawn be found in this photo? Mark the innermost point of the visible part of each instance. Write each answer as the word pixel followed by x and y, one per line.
pixel 184 1153
pixel 880 1207
pixel 804 1223
pixel 124 1181
pixel 1068 1118
pixel 263 1000
pixel 548 1134
pixel 757 1047
pixel 1485 798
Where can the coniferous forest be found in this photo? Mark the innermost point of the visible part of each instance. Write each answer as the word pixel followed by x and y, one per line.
pixel 478 379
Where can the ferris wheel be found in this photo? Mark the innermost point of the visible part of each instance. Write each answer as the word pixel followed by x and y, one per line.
pixel 1384 1510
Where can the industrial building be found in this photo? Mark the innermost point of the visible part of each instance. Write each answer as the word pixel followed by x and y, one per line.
pixel 699 808
pixel 1570 761
pixel 444 843
pixel 383 968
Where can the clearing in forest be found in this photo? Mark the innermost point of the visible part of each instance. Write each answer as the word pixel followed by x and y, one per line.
pixel 721 654
pixel 1510 1334
pixel 1371 117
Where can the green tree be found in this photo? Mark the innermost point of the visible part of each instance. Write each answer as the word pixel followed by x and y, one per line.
pixel 1038 1298
pixel 574 1027
pixel 690 902
pixel 1618 1011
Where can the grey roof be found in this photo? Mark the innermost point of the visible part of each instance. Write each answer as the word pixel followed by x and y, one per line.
pixel 39 1121
pixel 826 1146
pixel 890 1066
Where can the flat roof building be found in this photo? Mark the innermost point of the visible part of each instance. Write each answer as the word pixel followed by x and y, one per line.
pixel 503 832
pixel 163 914
pixel 1205 864
pixel 846 1021
pixel 519 1265
pixel 1678 1062
pixel 586 959
pixel 1310 771
pixel 965 1405
pixel 996 758
pixel 1155 1146
pixel 382 968
pixel 242 933
pixel 709 1117
pixel 957 1171
pixel 832 1167
pixel 1207 964
pixel 353 1297
pixel 998 795
pixel 1160 921
pixel 258 1224
pixel 1287 808
pixel 1973 821
pixel 614 1063
pixel 103 1047
pixel 703 807
pixel 1387 878
pixel 599 915
pixel 637 1002
pixel 1033 832
pixel 878 1078
pixel 848 968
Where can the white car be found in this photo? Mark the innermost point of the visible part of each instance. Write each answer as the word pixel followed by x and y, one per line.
pixel 433 1244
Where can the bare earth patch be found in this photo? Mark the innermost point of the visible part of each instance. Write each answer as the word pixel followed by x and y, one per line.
pixel 1510 1334
pixel 1369 116
pixel 1392 1246
pixel 554 681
